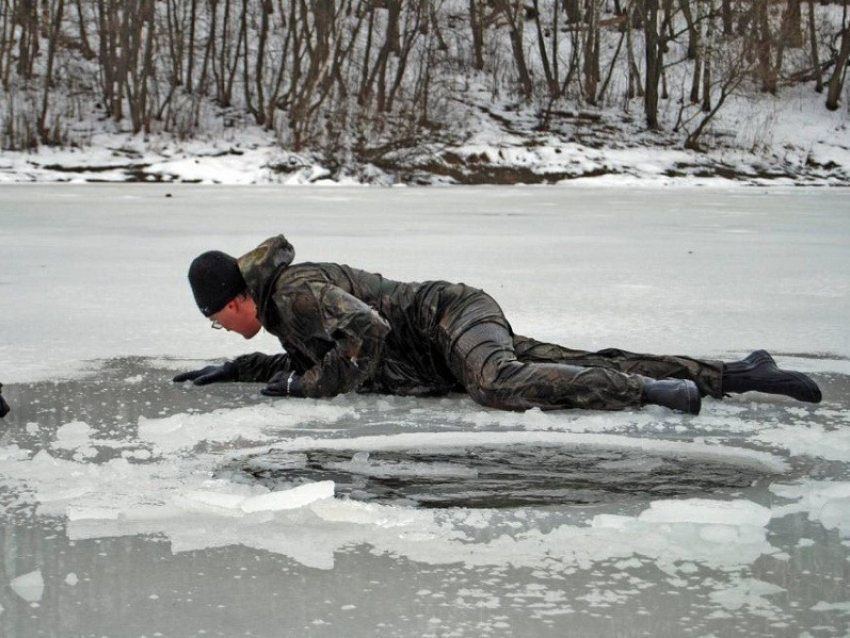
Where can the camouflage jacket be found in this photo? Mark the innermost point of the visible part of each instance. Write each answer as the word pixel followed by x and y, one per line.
pixel 345 329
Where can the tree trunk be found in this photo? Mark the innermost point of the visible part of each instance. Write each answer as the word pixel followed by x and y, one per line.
pixel 591 52
pixel 726 14
pixel 147 68
pixel 836 81
pixel 653 62
pixel 7 29
pixel 85 47
pixel 792 29
pixel 707 58
pixel 266 10
pixel 55 24
pixel 209 48
pixel 764 44
pixel 551 82
pixel 362 94
pixel 813 41
pixel 28 42
pixel 635 83
pixel 515 25
pixel 694 46
pixel 477 35
pixel 571 8
pixel 190 48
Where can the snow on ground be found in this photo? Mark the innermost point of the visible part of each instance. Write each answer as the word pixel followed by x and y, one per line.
pixel 103 447
pixel 790 139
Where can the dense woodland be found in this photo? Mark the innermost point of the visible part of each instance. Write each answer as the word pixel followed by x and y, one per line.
pixel 353 78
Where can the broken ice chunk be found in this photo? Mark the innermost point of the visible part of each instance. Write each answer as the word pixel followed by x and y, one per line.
pixel 289 499
pixel 30 586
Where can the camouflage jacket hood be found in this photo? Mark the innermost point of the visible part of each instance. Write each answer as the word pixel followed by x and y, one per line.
pixel 261 268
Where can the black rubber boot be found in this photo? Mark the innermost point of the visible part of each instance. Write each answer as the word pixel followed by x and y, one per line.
pixel 4 407
pixel 759 373
pixel 677 394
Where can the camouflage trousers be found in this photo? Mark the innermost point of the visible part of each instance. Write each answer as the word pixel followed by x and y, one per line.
pixel 511 372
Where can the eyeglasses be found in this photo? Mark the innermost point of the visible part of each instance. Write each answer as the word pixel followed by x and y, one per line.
pixel 215 325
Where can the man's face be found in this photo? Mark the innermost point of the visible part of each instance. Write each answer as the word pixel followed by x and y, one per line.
pixel 239 315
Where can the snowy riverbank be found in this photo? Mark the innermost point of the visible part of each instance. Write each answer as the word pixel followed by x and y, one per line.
pixel 771 141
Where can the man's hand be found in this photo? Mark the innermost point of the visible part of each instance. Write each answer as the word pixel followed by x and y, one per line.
pixel 283 384
pixel 4 407
pixel 210 374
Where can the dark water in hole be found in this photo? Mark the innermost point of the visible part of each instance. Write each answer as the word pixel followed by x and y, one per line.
pixel 514 476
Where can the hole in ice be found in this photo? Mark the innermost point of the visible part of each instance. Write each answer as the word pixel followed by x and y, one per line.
pixel 497 477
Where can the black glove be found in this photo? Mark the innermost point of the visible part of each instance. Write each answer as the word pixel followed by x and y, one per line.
pixel 210 374
pixel 4 407
pixel 284 384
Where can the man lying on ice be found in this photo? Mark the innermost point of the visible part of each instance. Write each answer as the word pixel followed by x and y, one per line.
pixel 345 330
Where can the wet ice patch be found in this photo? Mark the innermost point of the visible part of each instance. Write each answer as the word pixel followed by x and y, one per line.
pixel 78 438
pixel 732 513
pixel 14 453
pixel 182 432
pixel 430 537
pixel 711 532
pixel 842 607
pixel 75 436
pixel 810 440
pixel 827 502
pixel 749 592
pixel 29 586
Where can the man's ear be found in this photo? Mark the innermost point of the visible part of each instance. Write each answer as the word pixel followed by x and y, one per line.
pixel 239 302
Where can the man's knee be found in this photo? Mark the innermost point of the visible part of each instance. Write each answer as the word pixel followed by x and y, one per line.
pixel 492 389
pixel 492 398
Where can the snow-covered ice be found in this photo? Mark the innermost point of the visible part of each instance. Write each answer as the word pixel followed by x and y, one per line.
pixel 131 505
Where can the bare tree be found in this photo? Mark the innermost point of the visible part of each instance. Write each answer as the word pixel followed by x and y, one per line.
pixel 694 23
pixel 26 15
pixel 552 82
pixel 138 49
pixel 7 33
pixel 477 28
pixel 55 12
pixel 655 42
pixel 514 13
pixel 836 80
pixel 347 76
pixel 730 71
pixel 706 59
pixel 592 73
pixel 112 71
pixel 190 45
pixel 813 44
pixel 764 46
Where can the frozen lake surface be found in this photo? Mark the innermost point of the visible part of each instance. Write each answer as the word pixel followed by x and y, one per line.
pixel 131 506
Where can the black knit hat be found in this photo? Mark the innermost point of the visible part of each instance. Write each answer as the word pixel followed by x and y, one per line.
pixel 216 280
